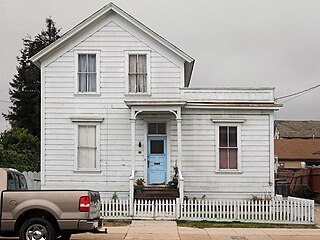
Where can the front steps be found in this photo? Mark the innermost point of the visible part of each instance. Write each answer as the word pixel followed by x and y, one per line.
pixel 155 193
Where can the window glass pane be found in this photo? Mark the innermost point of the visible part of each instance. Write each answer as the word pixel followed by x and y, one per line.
pixel 82 82
pixel 91 63
pixel 152 128
pixel 132 83
pixel 141 83
pixel 233 136
pixel 233 159
pixel 91 136
pixel 157 128
pixel 223 140
pixel 142 64
pixel 161 128
pixel 82 63
pixel 12 183
pixel 223 158
pixel 156 146
pixel 132 63
pixel 83 156
pixel 23 183
pixel 92 87
pixel 87 147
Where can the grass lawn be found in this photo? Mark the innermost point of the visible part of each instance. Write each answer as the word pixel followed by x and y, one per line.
pixel 207 224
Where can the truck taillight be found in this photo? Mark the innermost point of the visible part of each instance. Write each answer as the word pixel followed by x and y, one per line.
pixel 84 204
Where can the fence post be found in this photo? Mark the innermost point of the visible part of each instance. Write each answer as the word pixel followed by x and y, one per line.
pixel 178 206
pixel 131 191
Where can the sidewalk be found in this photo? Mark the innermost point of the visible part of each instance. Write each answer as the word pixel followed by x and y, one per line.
pixel 168 230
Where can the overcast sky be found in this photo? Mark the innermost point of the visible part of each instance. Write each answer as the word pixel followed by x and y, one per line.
pixel 236 43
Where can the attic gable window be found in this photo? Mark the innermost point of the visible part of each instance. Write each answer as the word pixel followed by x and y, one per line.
pixel 87 65
pixel 138 73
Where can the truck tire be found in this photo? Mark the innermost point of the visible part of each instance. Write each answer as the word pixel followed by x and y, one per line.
pixel 37 228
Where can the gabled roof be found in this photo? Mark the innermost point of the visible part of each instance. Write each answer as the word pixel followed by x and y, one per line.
pixel 298 129
pixel 189 61
pixel 297 149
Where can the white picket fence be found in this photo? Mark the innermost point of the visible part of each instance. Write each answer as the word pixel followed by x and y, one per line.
pixel 142 209
pixel 289 211
pixel 33 180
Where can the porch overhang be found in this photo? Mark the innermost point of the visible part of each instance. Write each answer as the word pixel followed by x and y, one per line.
pixel 155 106
pixel 157 103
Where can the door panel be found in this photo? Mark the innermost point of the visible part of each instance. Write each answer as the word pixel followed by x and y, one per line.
pixel 157 160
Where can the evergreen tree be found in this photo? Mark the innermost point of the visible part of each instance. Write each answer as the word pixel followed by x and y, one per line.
pixel 25 86
pixel 19 149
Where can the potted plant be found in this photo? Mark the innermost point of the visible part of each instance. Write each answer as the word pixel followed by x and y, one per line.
pixel 173 184
pixel 139 185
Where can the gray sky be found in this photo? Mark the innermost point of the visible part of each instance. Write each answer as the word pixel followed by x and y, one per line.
pixel 241 43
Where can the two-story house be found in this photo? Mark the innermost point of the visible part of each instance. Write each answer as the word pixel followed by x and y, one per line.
pixel 116 99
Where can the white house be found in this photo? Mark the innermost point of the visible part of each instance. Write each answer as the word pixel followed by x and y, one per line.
pixel 115 100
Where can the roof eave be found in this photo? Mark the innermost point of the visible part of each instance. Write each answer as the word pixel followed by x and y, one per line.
pixel 37 58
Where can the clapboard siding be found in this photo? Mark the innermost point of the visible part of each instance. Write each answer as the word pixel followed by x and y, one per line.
pixel 61 103
pixel 199 154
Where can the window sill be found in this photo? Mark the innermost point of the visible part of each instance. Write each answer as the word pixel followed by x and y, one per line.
pixel 228 172
pixel 86 94
pixel 87 171
pixel 137 94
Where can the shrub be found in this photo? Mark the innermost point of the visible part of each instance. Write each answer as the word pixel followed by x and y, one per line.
pixel 302 191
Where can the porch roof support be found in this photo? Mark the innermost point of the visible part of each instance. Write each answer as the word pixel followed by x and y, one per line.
pixel 179 142
pixel 133 140
pixel 175 108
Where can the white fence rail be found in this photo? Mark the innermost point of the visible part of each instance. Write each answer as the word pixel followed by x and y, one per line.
pixel 290 211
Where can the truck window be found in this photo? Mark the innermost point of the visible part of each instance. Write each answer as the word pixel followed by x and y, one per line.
pixel 13 182
pixel 16 182
pixel 23 182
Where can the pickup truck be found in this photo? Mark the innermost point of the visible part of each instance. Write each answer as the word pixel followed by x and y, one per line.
pixel 45 214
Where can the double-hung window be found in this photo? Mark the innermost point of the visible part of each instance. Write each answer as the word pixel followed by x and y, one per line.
pixel 87 73
pixel 228 147
pixel 87 142
pixel 87 147
pixel 87 69
pixel 137 72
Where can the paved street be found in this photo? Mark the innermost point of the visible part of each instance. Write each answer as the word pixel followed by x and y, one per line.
pixel 168 230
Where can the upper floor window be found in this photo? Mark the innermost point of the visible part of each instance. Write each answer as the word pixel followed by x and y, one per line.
pixel 138 79
pixel 137 73
pixel 87 71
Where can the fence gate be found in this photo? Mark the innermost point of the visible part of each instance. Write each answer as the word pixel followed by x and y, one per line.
pixel 155 209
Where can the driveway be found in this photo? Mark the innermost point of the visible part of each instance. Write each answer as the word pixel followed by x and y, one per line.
pixel 168 230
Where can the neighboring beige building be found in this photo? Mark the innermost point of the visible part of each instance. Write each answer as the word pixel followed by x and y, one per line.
pixel 291 152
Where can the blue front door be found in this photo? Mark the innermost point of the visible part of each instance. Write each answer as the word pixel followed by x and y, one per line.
pixel 157 160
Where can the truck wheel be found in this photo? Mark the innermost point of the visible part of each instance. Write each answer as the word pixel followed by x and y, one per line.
pixel 37 229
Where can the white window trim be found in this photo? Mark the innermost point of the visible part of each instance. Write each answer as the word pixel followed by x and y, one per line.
pixel 228 124
pixel 76 81
pixel 98 148
pixel 127 53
